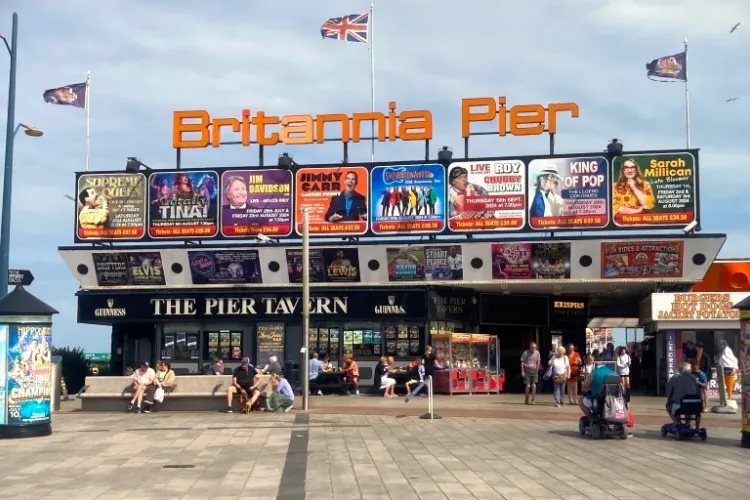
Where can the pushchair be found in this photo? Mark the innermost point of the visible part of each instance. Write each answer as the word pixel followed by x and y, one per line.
pixel 687 413
pixel 600 426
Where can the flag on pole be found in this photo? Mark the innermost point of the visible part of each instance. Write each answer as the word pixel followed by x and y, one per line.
pixel 668 68
pixel 351 28
pixel 70 95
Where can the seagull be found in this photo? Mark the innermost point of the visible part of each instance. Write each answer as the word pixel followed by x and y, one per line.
pixel 734 28
pixel 732 99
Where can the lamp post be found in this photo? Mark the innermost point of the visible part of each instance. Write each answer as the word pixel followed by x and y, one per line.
pixel 8 173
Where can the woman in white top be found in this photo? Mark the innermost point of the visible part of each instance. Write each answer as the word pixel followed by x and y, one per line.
pixel 386 383
pixel 559 367
pixel 622 366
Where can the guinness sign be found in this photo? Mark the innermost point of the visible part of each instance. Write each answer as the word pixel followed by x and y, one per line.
pixel 110 311
pixel 391 308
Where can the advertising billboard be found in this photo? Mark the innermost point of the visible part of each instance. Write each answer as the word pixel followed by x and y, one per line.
pixel 407 199
pixel 336 197
pixel 128 268
pixel 225 267
pixel 111 207
pixel 530 261
pixel 645 259
pixel 652 190
pixel 501 195
pixel 570 193
pixel 256 202
pixel 183 204
pixel 425 263
pixel 487 196
pixel 28 383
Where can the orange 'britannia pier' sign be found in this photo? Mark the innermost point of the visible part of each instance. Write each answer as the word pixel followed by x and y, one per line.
pixel 198 129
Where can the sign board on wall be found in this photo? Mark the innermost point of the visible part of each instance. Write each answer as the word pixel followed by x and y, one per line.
pixel 695 306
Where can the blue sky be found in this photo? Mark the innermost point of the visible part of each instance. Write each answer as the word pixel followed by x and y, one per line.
pixel 150 58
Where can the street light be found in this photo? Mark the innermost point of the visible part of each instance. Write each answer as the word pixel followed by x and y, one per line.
pixel 8 172
pixel 29 130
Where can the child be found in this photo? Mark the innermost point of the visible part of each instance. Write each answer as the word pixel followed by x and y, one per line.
pixel 702 381
pixel 418 375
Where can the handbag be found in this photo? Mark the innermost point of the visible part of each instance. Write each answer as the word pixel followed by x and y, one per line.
pixel 159 395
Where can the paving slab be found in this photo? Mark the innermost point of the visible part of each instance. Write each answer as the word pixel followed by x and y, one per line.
pixel 315 456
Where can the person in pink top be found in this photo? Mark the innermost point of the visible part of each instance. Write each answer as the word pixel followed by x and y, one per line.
pixel 142 378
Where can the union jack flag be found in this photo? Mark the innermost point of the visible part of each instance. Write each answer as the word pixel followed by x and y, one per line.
pixel 351 28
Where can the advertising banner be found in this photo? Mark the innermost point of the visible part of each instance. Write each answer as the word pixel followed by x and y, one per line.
pixel 111 207
pixel 487 196
pixel 653 189
pixel 28 386
pixel 406 263
pixel 407 199
pixel 225 267
pixel 183 204
pixel 443 262
pixel 341 264
pixel 3 374
pixel 645 259
pixel 256 202
pixel 569 193
pixel 337 199
pixel 128 268
pixel 530 261
pixel 294 265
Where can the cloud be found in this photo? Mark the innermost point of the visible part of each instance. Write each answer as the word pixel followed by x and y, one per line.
pixel 148 59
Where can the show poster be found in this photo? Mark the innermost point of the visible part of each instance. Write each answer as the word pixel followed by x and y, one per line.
pixel 406 263
pixel 294 265
pixel 570 193
pixel 128 268
pixel 407 199
pixel 642 259
pixel 487 196
pixel 270 342
pixel 28 385
pixel 653 190
pixel 341 264
pixel 3 373
pixel 256 202
pixel 336 197
pixel 183 204
pixel 111 207
pixel 443 262
pixel 225 267
pixel 524 261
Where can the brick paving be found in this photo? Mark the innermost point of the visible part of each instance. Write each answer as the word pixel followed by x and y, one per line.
pixel 372 456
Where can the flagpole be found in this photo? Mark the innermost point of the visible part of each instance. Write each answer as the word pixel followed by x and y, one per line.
pixel 371 39
pixel 687 98
pixel 88 119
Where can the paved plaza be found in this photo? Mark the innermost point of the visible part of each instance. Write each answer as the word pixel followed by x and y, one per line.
pixel 316 456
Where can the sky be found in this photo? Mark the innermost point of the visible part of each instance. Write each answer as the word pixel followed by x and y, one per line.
pixel 148 59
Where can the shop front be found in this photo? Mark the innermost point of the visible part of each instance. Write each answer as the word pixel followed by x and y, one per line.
pixel 195 327
pixel 679 321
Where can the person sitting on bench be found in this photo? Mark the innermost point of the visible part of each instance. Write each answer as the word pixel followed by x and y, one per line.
pixel 245 381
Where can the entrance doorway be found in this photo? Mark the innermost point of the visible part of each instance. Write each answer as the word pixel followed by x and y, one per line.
pixel 514 340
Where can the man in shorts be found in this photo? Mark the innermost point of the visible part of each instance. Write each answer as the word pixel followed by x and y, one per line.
pixel 245 381
pixel 531 363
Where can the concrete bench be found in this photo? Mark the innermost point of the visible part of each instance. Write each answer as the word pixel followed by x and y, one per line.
pixel 191 393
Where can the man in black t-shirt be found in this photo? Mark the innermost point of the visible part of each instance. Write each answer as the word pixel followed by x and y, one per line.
pixel 245 379
pixel 430 361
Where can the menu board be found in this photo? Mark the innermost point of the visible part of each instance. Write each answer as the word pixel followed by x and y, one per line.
pixel 270 342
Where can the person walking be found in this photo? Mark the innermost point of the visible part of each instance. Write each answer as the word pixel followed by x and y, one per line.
pixel 574 364
pixel 560 374
pixel 531 363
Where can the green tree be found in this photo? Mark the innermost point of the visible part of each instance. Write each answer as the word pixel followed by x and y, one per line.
pixel 75 367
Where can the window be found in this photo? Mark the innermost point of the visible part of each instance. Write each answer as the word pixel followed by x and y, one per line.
pixel 223 344
pixel 179 346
